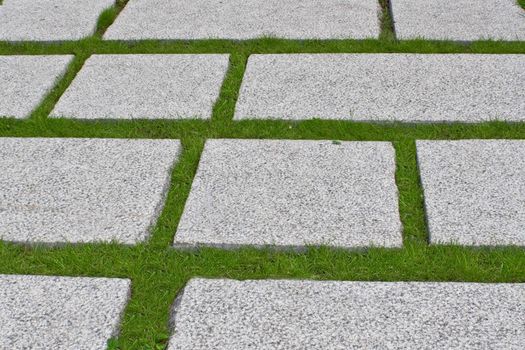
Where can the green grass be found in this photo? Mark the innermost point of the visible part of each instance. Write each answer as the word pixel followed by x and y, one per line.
pixel 521 3
pixel 385 18
pixel 159 272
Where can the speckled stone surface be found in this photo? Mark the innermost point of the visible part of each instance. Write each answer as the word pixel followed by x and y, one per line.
pixel 474 191
pixel 50 20
pixel 384 87
pixel 461 20
pixel 82 190
pixel 25 81
pixel 246 19
pixel 288 194
pixel 59 313
pixel 145 87
pixel 287 314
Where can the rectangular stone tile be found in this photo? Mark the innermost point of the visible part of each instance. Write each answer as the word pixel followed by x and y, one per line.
pixel 462 20
pixel 48 312
pixel 26 80
pixel 50 20
pixel 246 19
pixel 384 87
pixel 474 191
pixel 82 190
pixel 289 194
pixel 145 87
pixel 293 314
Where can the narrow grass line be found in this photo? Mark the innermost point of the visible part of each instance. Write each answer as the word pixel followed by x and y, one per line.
pixel 107 17
pixel 386 20
pixel 47 104
pixel 271 129
pixel 181 180
pixel 521 3
pixel 411 202
pixel 93 45
pixel 350 131
pixel 224 108
pixel 62 127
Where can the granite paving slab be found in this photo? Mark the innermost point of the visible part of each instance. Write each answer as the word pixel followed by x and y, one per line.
pixel 49 312
pixel 474 191
pixel 384 87
pixel 246 19
pixel 461 20
pixel 144 87
pixel 294 314
pixel 59 190
pixel 26 80
pixel 290 194
pixel 50 20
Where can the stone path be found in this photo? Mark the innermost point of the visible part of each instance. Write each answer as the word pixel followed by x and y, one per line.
pixel 268 193
pixel 25 81
pixel 246 19
pixel 144 86
pixel 291 194
pixel 82 190
pixel 272 314
pixel 460 20
pixel 474 191
pixel 44 312
pixel 384 87
pixel 50 20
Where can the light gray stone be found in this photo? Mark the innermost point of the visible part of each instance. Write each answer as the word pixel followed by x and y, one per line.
pixel 474 191
pixel 48 312
pixel 462 20
pixel 289 194
pixel 246 19
pixel 50 20
pixel 25 81
pixel 145 87
pixel 288 314
pixel 384 87
pixel 82 190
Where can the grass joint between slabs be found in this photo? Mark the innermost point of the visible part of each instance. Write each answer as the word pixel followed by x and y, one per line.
pixel 224 107
pixel 386 20
pixel 181 181
pixel 94 45
pixel 411 203
pixel 108 16
pixel 46 105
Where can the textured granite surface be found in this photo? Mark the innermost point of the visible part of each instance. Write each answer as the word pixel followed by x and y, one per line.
pixel 82 190
pixel 26 80
pixel 461 20
pixel 246 19
pixel 384 87
pixel 50 20
pixel 59 313
pixel 145 87
pixel 289 194
pixel 474 191
pixel 286 314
